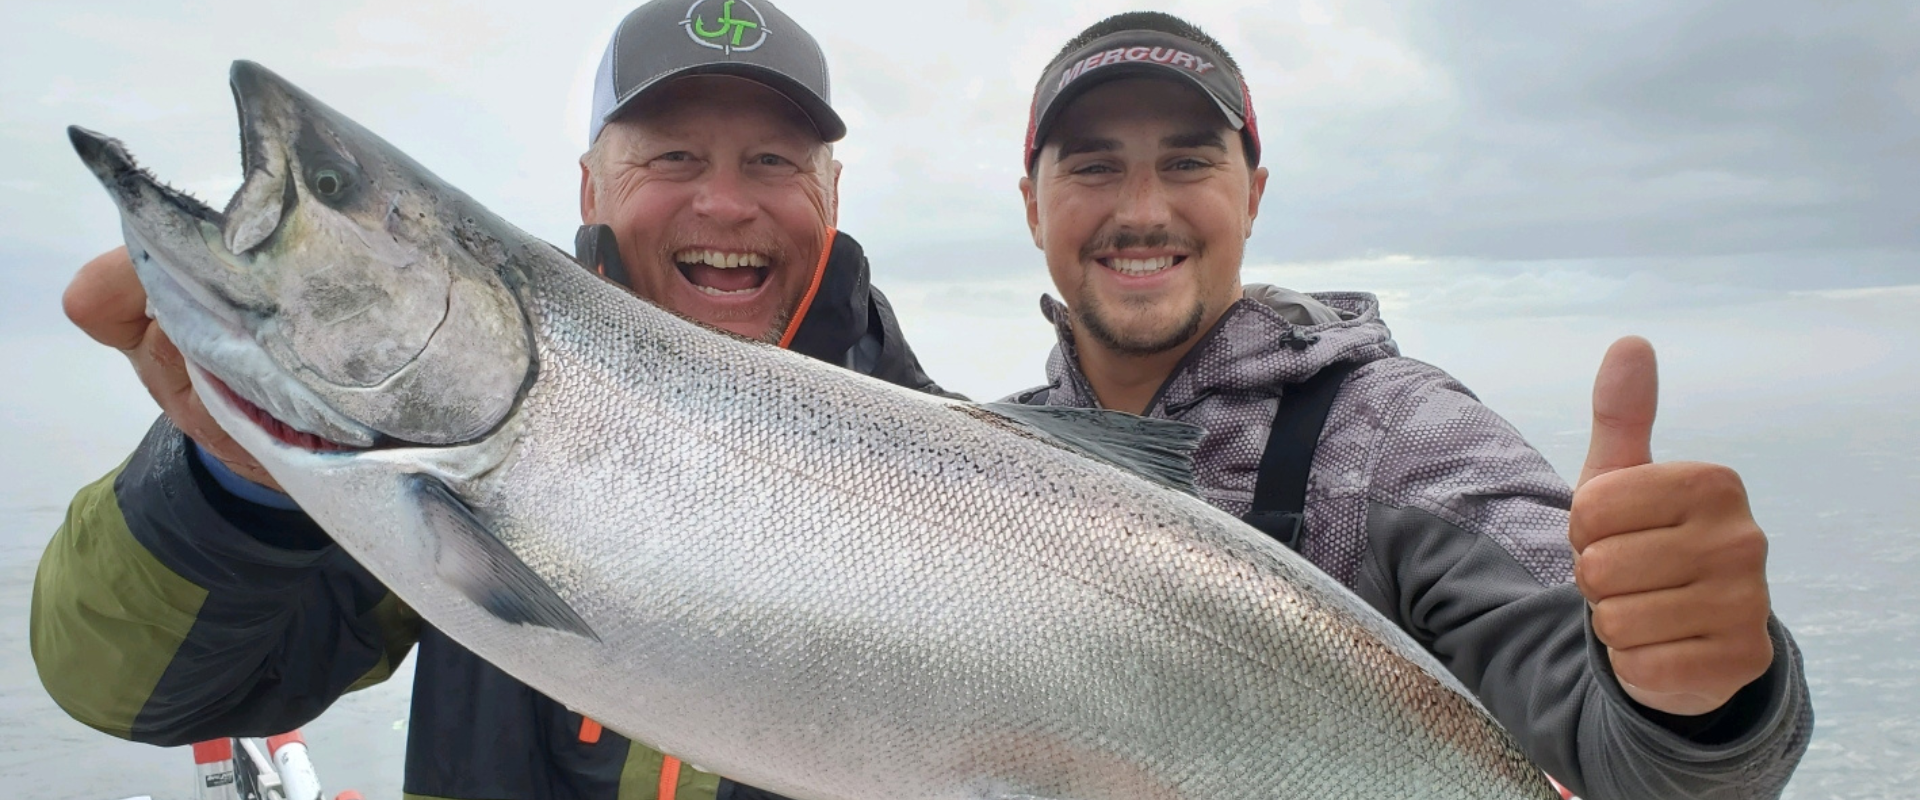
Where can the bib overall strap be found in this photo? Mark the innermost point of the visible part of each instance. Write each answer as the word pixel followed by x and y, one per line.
pixel 1280 493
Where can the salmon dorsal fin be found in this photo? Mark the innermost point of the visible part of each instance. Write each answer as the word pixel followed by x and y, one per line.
pixel 1160 450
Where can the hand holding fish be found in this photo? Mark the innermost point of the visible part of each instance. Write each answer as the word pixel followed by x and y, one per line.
pixel 1668 555
pixel 108 303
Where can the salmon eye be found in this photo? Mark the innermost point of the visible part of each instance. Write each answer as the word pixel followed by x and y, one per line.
pixel 332 182
pixel 328 183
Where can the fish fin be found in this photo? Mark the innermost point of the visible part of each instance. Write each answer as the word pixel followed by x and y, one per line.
pixel 475 562
pixel 1160 450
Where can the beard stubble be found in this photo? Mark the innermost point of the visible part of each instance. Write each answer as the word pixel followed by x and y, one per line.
pixel 1102 323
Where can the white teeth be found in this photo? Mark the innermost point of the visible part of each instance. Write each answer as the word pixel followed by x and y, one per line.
pixel 720 260
pixel 1139 266
pixel 723 292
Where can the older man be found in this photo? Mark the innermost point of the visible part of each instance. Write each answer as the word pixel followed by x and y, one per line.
pixel 1649 666
pixel 185 599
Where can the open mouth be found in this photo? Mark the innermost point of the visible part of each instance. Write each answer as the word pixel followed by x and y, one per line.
pixel 1141 267
pixel 109 158
pixel 723 274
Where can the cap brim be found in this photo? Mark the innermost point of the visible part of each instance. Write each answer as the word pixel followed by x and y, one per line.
pixel 1144 69
pixel 825 121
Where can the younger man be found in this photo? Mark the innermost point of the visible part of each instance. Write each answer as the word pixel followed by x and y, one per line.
pixel 1648 665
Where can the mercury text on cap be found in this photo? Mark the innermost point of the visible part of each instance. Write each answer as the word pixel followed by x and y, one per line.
pixel 1123 55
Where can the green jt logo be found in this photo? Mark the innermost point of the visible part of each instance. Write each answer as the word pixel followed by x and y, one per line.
pixel 739 27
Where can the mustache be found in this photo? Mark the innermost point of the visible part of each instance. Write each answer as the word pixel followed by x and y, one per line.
pixel 1127 239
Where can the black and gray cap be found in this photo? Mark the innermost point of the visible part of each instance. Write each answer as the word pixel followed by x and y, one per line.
pixel 751 39
pixel 1136 53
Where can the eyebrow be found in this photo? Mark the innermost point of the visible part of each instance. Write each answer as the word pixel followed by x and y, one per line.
pixel 1076 146
pixel 1205 138
pixel 1179 141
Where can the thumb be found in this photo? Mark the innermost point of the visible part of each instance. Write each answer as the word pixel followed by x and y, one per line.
pixel 107 301
pixel 1624 398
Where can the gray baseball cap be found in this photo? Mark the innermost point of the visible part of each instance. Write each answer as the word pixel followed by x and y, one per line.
pixel 751 39
pixel 1142 52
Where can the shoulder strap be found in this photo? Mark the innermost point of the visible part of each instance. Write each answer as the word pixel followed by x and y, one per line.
pixel 1280 493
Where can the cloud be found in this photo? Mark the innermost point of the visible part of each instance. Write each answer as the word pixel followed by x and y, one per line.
pixel 479 93
pixel 1538 156
pixel 1496 132
pixel 1600 130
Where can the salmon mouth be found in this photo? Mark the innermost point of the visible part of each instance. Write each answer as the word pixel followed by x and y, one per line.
pixel 280 431
pixel 338 302
pixel 114 164
pixel 212 316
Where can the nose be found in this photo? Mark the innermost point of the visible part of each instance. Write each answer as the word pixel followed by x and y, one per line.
pixel 1143 202
pixel 725 197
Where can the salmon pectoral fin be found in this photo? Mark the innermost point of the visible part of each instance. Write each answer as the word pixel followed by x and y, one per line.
pixel 471 559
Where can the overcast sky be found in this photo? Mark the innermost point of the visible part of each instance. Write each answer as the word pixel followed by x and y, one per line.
pixel 1520 181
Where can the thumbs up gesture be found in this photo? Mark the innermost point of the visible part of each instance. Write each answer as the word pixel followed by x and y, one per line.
pixel 1667 555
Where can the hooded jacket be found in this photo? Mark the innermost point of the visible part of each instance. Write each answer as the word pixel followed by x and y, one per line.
pixel 1438 514
pixel 168 610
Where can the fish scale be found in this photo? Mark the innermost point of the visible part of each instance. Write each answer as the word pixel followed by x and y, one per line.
pixel 802 578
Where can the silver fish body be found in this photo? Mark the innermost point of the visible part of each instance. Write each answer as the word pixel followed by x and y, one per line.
pixel 772 568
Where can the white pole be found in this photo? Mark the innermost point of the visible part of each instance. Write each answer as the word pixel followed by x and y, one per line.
pixel 297 777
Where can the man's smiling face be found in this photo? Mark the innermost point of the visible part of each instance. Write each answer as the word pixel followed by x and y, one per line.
pixel 720 193
pixel 1142 202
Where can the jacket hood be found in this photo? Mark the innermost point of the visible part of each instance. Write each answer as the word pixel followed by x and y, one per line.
pixel 848 322
pixel 834 315
pixel 1268 338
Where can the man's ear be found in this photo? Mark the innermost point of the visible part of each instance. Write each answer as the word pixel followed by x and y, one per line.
pixel 1259 189
pixel 587 204
pixel 1029 194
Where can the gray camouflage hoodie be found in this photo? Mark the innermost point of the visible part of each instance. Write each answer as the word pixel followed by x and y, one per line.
pixel 1436 512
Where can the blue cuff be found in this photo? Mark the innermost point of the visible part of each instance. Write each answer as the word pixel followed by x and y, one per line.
pixel 241 487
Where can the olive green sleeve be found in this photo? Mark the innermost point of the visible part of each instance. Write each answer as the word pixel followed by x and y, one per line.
pixel 167 611
pixel 107 617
